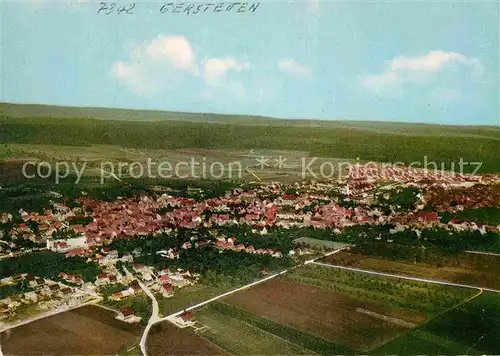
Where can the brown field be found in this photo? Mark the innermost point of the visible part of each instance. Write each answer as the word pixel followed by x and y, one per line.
pixel 168 339
pixel 324 313
pixel 89 330
pixel 466 268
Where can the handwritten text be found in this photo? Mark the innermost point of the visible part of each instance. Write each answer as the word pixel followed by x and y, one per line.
pixel 196 8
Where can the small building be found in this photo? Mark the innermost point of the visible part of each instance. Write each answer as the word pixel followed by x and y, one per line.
pixel 102 279
pixel 6 280
pixel 31 296
pixel 167 290
pixel 164 278
pixel 185 319
pixel 239 247
pixel 127 315
pixel 164 272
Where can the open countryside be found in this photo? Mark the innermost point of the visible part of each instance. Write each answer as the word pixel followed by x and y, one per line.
pixel 249 178
pixel 85 331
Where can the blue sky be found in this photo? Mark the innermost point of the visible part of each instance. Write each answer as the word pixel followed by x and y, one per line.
pixel 435 62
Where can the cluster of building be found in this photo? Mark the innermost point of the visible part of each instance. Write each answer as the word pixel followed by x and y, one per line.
pixel 311 204
pixel 49 222
pixel 318 205
pixel 41 294
pixel 432 175
pixel 457 198
pixel 223 244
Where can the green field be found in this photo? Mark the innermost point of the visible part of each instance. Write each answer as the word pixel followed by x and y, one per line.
pixel 486 215
pixel 241 338
pixel 34 110
pixel 140 302
pixel 470 329
pixel 288 333
pixel 346 140
pixel 187 296
pixel 428 298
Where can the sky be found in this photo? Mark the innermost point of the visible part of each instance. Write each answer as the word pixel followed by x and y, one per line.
pixel 433 62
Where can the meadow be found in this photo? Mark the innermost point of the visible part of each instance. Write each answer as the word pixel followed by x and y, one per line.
pixel 242 338
pixel 464 268
pixel 322 314
pixel 342 142
pixel 289 334
pixel 470 329
pixel 430 299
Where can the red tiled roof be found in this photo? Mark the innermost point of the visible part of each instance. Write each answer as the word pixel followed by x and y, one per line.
pixel 127 311
pixel 77 251
pixel 167 287
pixel 187 316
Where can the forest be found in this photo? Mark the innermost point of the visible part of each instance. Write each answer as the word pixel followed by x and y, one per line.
pixel 327 142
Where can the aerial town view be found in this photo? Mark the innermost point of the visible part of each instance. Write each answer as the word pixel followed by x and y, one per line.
pixel 250 178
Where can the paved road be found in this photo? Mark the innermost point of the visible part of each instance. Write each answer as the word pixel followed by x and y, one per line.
pixel 107 308
pixel 223 295
pixel 155 318
pixel 484 253
pixel 247 286
pixel 420 279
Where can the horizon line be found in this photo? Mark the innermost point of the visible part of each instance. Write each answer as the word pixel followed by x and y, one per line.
pixel 277 118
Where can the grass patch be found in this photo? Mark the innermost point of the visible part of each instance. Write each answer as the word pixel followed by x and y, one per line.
pixel 421 296
pixel 319 141
pixel 304 340
pixel 485 215
pixel 238 337
pixel 470 329
pixel 187 296
pixel 139 302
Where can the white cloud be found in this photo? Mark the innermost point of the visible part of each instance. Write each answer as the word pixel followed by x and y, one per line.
pixel 433 61
pixel 172 48
pixel 215 75
pixel 215 69
pixel 292 66
pixel 156 64
pixel 418 69
pixel 167 62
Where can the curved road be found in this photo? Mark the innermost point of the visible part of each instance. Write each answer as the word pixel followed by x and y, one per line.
pixel 153 319
pixel 155 314
pixel 156 319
